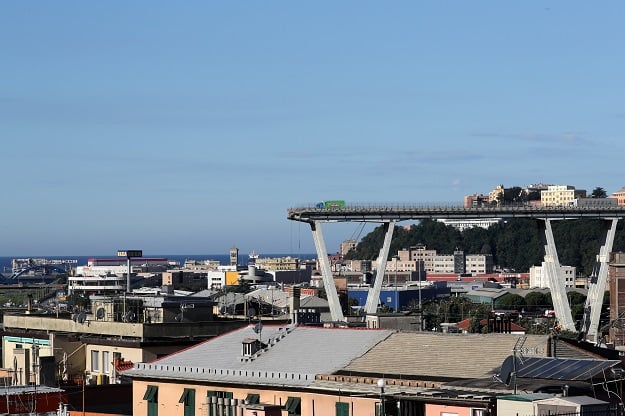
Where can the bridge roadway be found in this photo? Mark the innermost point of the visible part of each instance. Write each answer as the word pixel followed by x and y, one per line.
pixel 388 215
pixel 382 213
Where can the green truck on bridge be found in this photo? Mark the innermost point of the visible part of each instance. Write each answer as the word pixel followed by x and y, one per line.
pixel 334 204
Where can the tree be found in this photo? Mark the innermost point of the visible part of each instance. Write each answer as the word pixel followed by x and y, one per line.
pixel 510 301
pixel 517 244
pixel 535 301
pixel 514 194
pixel 474 325
pixel 598 192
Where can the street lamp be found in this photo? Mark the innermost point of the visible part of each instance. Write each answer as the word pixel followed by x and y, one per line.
pixel 381 385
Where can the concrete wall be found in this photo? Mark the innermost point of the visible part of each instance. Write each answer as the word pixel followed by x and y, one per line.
pixel 514 407
pixel 119 329
pixel 52 324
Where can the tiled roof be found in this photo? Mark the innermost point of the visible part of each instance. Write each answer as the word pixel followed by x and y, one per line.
pixel 294 355
pixel 443 356
pixel 122 365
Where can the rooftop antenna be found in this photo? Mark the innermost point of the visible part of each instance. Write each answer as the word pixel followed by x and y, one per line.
pixel 258 328
pixel 518 358
pixel 507 373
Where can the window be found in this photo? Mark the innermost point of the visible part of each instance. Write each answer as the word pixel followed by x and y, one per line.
pixel 151 396
pixel 293 406
pixel 253 398
pixel 95 361
pixel 188 399
pixel 106 364
pixel 342 409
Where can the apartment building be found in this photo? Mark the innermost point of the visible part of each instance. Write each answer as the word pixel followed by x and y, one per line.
pixel 419 258
pixel 560 195
pixel 496 194
pixel 303 370
pixel 538 276
pixel 476 200
pixel 119 330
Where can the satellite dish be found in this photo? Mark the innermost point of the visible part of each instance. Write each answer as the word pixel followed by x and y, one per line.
pixel 258 327
pixel 510 364
pixel 100 313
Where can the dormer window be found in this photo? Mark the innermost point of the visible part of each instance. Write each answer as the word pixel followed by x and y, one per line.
pixel 250 346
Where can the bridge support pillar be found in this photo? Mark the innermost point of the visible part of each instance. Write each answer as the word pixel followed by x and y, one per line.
pixel 326 272
pixel 373 296
pixel 553 274
pixel 597 285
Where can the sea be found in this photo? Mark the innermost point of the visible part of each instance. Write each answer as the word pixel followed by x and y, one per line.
pixel 224 259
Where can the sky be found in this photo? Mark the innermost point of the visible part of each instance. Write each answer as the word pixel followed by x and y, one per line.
pixel 191 127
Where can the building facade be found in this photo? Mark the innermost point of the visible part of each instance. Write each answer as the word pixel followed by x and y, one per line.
pixel 420 259
pixel 560 195
pixel 616 283
pixel 620 196
pixel 538 277
pixel 119 330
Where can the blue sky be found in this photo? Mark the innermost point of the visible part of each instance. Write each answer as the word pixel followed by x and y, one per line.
pixel 191 127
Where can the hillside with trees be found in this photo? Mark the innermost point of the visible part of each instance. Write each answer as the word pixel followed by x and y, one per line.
pixel 516 244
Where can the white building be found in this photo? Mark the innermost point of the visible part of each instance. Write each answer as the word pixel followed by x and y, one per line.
pixel 463 224
pixel 119 266
pixel 419 258
pixel 101 284
pixel 538 277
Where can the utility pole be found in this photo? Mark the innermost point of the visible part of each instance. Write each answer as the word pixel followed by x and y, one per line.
pixel 396 300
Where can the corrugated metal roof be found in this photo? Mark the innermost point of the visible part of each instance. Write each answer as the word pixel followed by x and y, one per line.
pixel 294 356
pixel 29 389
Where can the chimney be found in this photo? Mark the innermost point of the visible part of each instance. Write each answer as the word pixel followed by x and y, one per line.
pixel 294 303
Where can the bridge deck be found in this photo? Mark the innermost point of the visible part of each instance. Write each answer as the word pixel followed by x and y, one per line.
pixel 377 213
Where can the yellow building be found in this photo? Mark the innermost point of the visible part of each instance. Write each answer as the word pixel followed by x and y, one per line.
pixel 259 370
pixel 560 195
pixel 278 263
